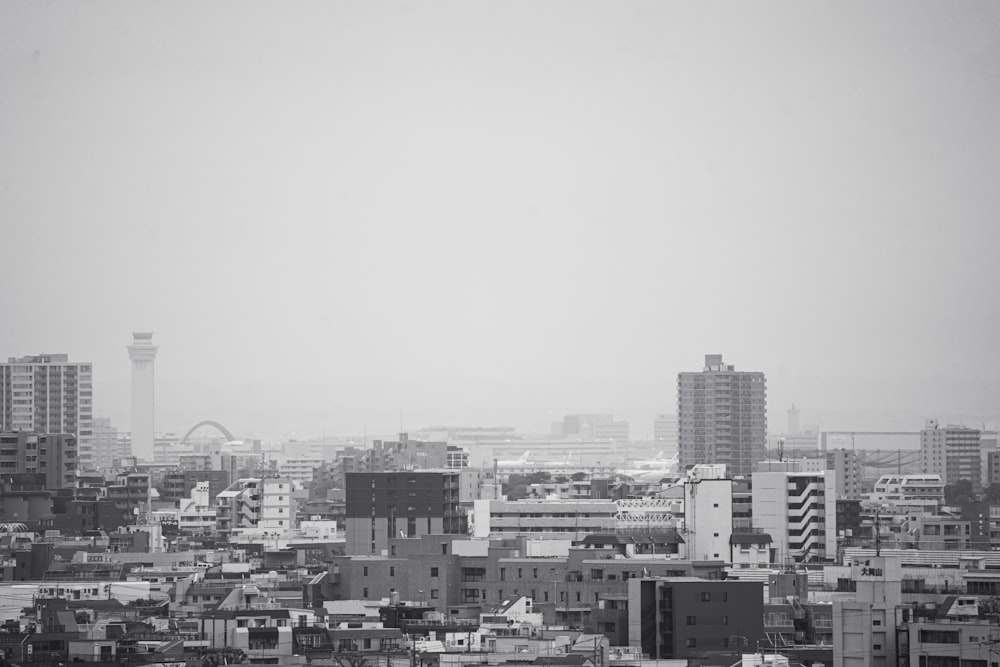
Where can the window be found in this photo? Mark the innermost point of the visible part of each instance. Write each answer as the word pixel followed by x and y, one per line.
pixel 434 572
pixel 364 571
pixel 706 596
pixel 876 622
pixel 725 620
pixel 876 647
pixel 691 620
pixel 503 573
pixel 364 593
pixel 519 575
pixel 241 623
pixel 392 571
pixel 690 642
pixel 434 593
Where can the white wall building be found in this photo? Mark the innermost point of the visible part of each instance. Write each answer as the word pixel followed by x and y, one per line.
pixel 142 352
pixel 864 629
pixel 708 517
pixel 799 511
pixel 277 514
pixel 924 490
pixel 196 513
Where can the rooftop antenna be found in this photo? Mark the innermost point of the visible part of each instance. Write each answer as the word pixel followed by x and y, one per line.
pixel 878 535
pixel 781 449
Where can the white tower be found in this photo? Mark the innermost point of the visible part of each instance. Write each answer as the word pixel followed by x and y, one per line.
pixel 793 420
pixel 142 352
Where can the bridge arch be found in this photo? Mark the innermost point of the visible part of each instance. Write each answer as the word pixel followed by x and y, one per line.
pixel 208 422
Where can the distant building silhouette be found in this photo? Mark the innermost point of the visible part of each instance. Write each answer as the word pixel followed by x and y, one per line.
pixel 722 417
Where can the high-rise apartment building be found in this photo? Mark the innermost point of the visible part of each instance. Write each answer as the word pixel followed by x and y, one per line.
pixel 953 452
pixel 48 394
pixel 142 352
pixel 722 415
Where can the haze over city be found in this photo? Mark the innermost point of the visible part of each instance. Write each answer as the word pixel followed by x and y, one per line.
pixel 334 214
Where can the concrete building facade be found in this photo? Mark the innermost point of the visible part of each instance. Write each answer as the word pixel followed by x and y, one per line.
pixel 687 618
pixel 953 452
pixel 47 393
pixel 52 455
pixel 799 512
pixel 566 519
pixel 708 517
pixel 722 417
pixel 408 503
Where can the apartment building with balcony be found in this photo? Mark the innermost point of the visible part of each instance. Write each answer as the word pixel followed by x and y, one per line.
pixel 52 455
pixel 131 493
pixel 554 518
pixel 237 509
pixel 253 508
pixel 794 508
pixel 196 513
pixel 722 417
pixel 919 490
pixel 47 393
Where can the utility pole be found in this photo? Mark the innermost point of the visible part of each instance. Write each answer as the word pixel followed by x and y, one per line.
pixel 878 535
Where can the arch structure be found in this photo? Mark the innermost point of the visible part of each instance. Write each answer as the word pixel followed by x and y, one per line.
pixel 208 422
pixel 13 528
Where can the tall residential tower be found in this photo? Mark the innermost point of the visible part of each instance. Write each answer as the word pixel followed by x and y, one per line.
pixel 142 352
pixel 46 394
pixel 722 417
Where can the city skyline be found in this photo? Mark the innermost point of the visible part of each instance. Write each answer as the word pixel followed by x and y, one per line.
pixel 371 210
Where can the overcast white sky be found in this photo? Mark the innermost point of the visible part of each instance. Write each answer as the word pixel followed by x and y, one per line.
pixel 499 212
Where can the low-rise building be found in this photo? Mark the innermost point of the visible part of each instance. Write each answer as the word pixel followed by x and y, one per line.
pixel 687 618
pixel 568 519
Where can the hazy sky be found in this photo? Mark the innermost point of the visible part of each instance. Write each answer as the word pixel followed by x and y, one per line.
pixel 499 212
